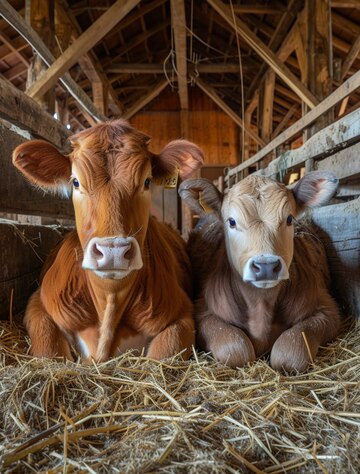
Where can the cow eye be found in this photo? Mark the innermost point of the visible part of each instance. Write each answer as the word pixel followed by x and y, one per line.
pixel 232 222
pixel 76 183
pixel 147 183
pixel 289 219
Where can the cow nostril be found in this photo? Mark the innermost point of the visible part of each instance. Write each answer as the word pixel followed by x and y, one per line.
pixel 277 267
pixel 255 268
pixel 97 252
pixel 130 253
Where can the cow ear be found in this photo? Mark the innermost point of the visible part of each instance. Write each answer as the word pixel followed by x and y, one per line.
pixel 178 155
pixel 43 164
pixel 315 189
pixel 201 196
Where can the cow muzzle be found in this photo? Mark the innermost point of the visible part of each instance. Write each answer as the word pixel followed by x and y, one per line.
pixel 265 271
pixel 112 257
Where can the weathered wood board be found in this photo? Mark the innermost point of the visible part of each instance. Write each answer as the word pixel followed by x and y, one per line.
pixel 17 195
pixel 23 251
pixel 340 230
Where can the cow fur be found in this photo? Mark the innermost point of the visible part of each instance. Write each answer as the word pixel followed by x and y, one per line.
pixel 103 312
pixel 238 321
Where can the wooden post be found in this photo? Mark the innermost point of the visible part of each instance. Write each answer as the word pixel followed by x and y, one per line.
pixel 267 106
pixel 318 60
pixel 40 15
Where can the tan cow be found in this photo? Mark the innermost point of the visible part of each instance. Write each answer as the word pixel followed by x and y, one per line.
pixel 259 289
pixel 122 279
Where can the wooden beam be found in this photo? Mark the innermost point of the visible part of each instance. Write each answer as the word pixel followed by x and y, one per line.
pixel 88 62
pixel 100 96
pixel 138 39
pixel 265 53
pixel 178 22
pixel 284 121
pixel 17 108
pixel 82 45
pixel 318 58
pixel 215 97
pixel 145 68
pixel 259 9
pixel 350 58
pixel 10 44
pixel 268 104
pixel 343 91
pixel 345 4
pixel 143 101
pixel 19 24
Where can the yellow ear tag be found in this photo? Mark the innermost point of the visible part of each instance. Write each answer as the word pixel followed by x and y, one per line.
pixel 169 182
pixel 204 205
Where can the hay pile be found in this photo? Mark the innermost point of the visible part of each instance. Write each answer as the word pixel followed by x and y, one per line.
pixel 136 415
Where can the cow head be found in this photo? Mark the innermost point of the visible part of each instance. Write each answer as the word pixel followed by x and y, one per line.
pixel 258 215
pixel 110 170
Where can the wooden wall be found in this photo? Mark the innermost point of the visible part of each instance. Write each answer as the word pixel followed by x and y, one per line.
pixel 208 126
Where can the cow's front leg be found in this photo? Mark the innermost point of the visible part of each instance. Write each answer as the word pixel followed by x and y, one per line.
pixel 47 339
pixel 176 337
pixel 228 344
pixel 298 346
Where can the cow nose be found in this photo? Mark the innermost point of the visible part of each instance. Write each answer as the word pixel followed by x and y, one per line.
pixel 109 254
pixel 266 268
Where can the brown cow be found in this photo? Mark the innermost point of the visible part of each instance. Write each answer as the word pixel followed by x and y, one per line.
pixel 258 287
pixel 122 279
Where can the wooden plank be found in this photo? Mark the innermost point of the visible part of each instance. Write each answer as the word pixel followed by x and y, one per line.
pixel 265 53
pixel 345 163
pixel 19 24
pixel 17 195
pixel 325 142
pixel 268 103
pixel 143 101
pixel 343 91
pixel 340 226
pixel 178 22
pixel 215 97
pixel 82 45
pixel 20 110
pixel 24 249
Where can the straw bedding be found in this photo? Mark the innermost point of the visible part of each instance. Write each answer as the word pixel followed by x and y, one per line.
pixel 135 415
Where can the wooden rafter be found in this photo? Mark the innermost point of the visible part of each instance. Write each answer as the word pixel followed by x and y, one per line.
pixel 259 9
pixel 266 54
pixel 283 48
pixel 19 24
pixel 9 43
pixel 82 45
pixel 216 98
pixel 178 22
pixel 145 68
pixel 144 100
pixel 340 93
pixel 89 64
pixel 345 4
pixel 139 39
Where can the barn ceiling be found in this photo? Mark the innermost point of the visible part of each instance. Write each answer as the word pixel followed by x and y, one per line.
pixel 143 50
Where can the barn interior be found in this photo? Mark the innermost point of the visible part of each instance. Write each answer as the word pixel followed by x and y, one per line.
pixel 265 87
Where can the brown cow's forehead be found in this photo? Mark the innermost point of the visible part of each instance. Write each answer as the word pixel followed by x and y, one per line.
pixel 257 198
pixel 111 152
